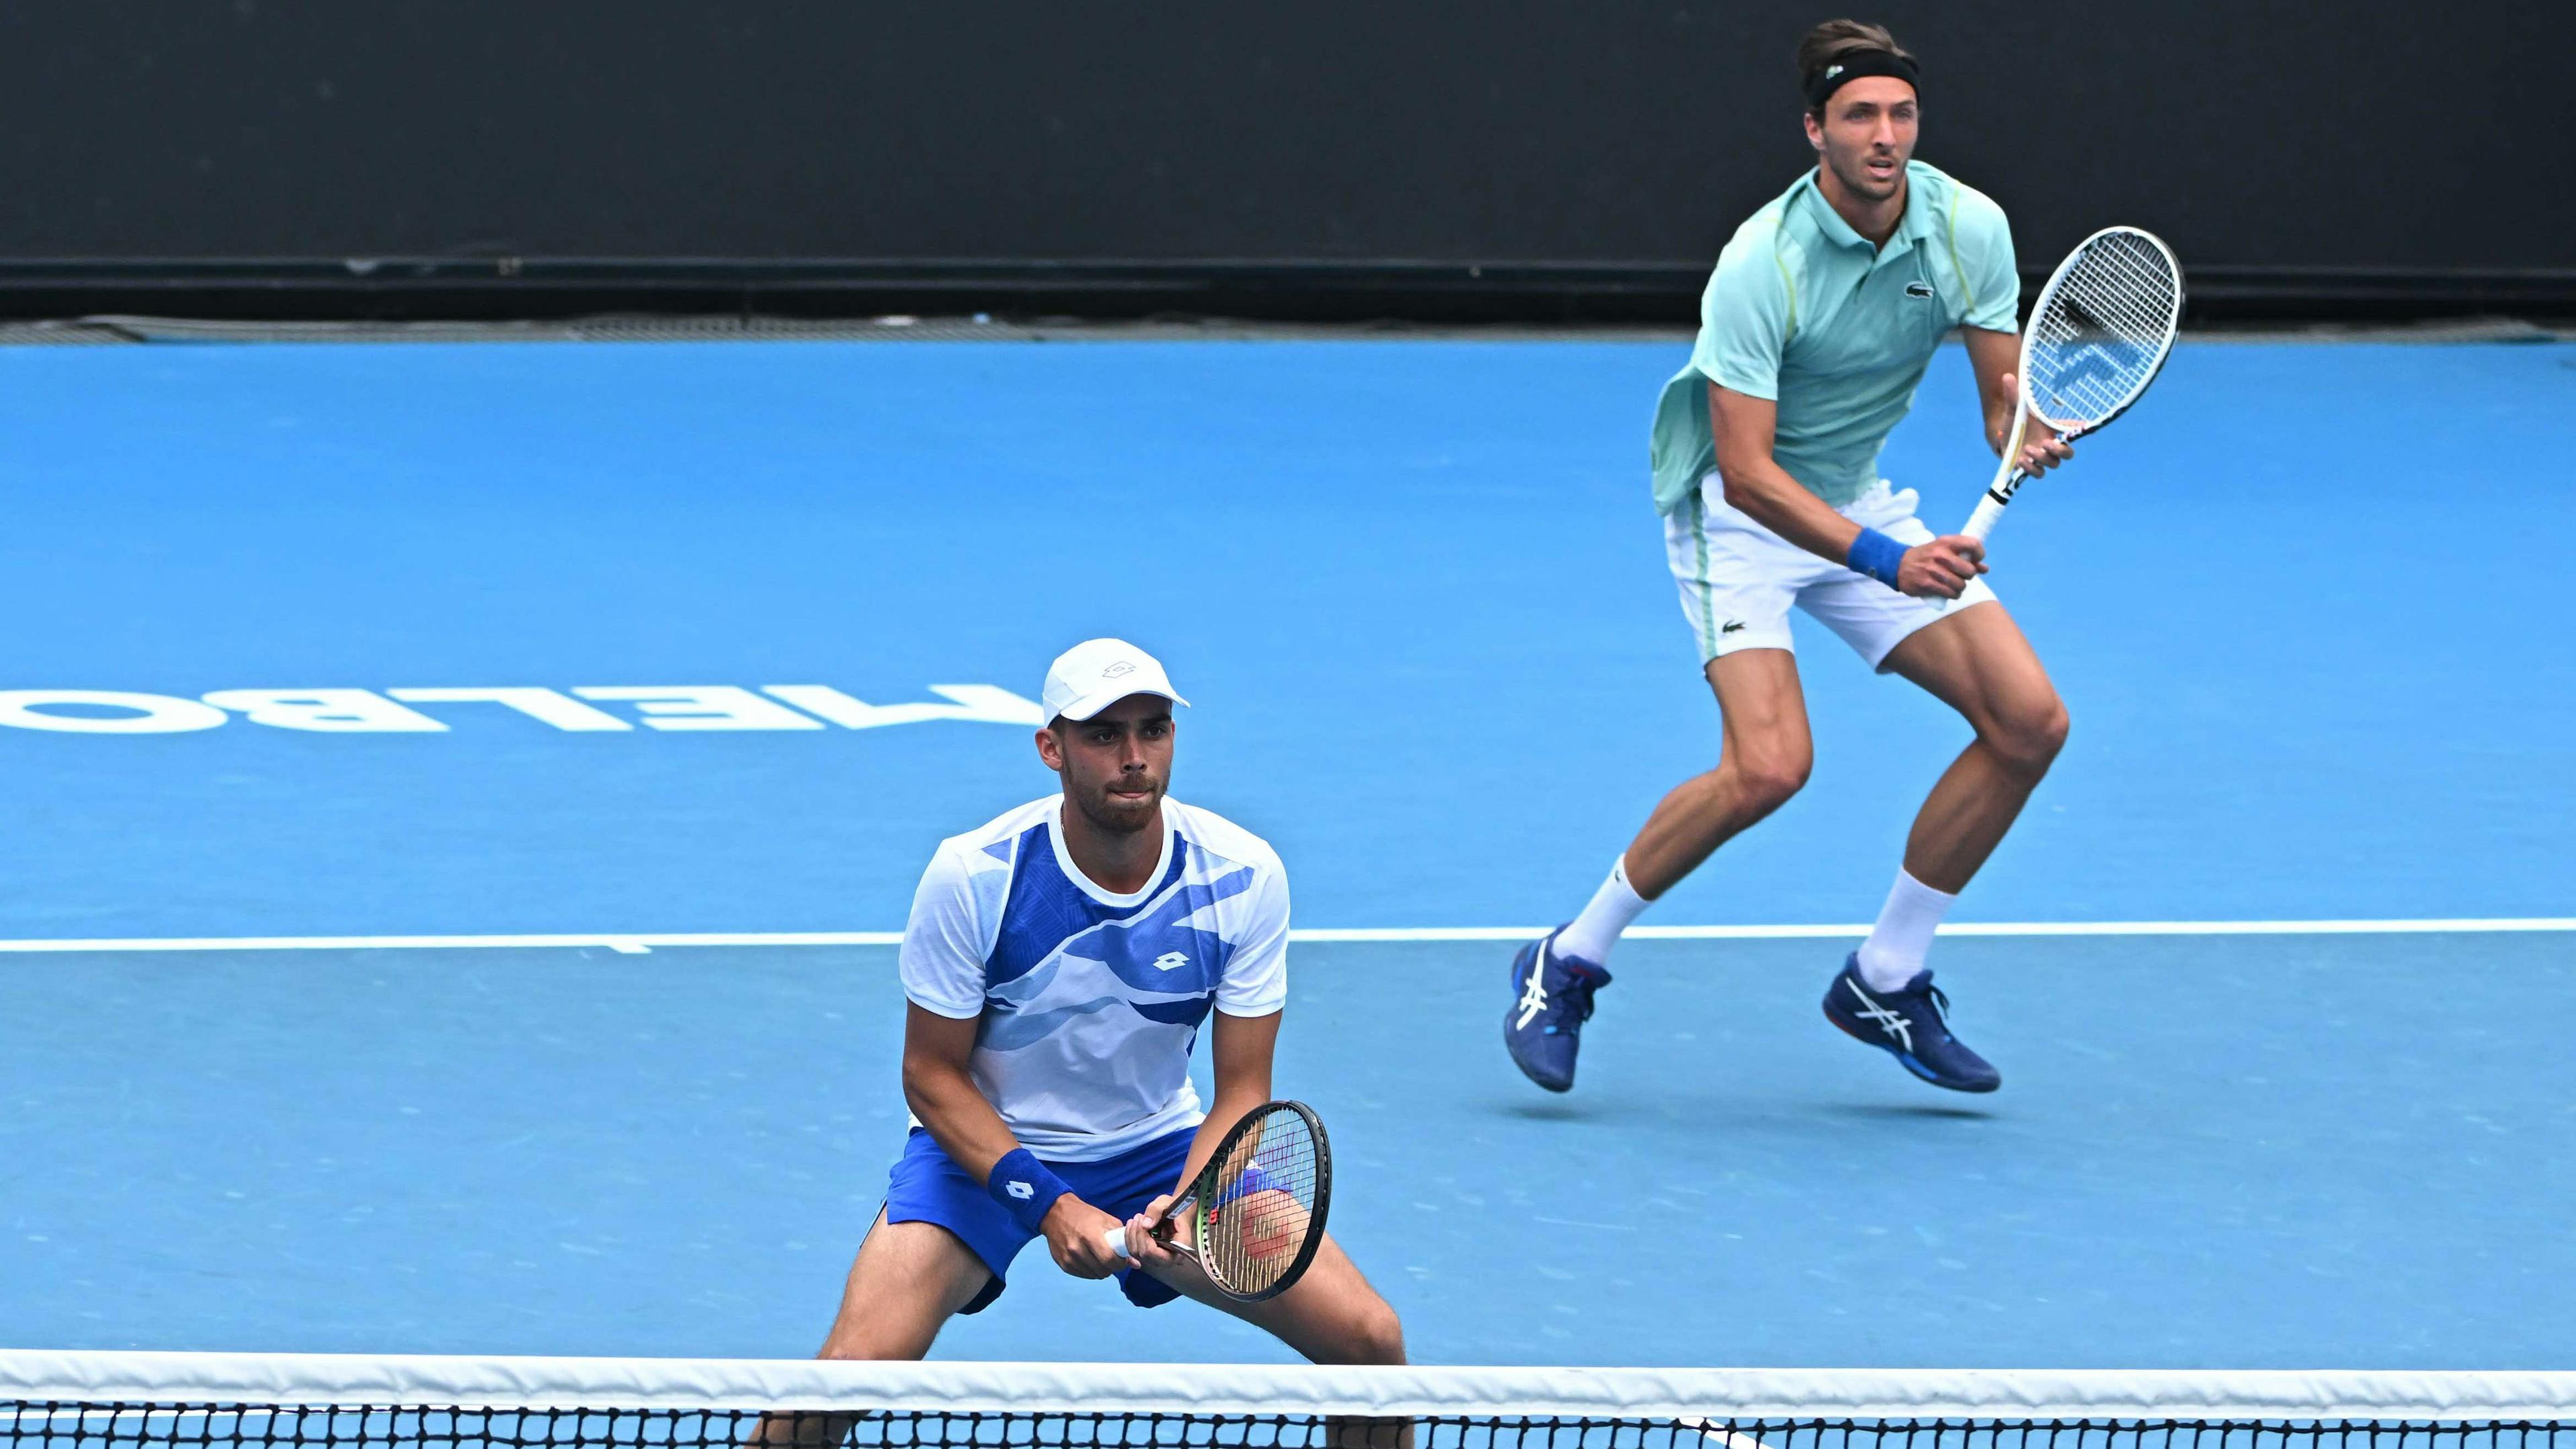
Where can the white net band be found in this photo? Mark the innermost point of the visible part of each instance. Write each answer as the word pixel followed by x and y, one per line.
pixel 1075 1390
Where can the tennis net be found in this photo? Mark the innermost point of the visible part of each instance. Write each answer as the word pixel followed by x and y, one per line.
pixel 80 1400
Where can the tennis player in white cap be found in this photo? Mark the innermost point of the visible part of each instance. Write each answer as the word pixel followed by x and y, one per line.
pixel 1059 963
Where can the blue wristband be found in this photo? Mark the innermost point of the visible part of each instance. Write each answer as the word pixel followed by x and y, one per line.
pixel 1024 1188
pixel 1877 555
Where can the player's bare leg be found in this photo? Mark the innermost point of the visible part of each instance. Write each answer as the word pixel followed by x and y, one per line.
pixel 1763 758
pixel 906 1282
pixel 1331 1315
pixel 1977 662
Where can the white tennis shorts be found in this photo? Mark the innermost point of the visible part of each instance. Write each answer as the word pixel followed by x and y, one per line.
pixel 1738 579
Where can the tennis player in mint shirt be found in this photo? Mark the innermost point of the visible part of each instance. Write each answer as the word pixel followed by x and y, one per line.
pixel 1818 323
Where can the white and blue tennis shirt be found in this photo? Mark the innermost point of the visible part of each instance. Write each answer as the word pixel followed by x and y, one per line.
pixel 1091 1000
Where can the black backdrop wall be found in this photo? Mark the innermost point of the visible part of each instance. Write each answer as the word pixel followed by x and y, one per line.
pixel 1445 157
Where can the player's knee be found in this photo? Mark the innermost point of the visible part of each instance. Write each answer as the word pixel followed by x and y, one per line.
pixel 1378 1336
pixel 863 1346
pixel 2030 735
pixel 867 1336
pixel 1770 775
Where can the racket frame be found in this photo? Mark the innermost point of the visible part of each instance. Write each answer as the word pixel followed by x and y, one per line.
pixel 1205 1185
pixel 2008 473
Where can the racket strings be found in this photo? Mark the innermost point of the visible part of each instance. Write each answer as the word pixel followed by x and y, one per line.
pixel 1253 1227
pixel 2102 330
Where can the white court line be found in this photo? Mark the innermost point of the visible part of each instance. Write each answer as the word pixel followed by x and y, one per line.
pixel 636 943
pixel 2427 926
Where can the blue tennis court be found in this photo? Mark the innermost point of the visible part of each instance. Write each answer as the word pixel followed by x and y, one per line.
pixel 1416 592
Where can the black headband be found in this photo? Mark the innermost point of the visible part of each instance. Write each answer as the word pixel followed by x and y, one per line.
pixel 1851 67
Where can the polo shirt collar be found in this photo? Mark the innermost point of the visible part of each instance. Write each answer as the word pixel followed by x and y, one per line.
pixel 1917 224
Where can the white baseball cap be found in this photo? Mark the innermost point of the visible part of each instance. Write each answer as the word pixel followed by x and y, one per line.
pixel 1097 673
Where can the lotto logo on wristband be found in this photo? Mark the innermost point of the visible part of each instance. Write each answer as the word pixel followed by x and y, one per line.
pixel 1025 1188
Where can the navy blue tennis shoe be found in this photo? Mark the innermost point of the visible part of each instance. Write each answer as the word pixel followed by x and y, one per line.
pixel 1911 1024
pixel 1551 1000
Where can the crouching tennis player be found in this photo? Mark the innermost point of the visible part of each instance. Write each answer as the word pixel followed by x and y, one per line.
pixel 1059 963
pixel 1818 323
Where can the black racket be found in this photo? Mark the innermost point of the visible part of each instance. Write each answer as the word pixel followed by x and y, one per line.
pixel 1254 1215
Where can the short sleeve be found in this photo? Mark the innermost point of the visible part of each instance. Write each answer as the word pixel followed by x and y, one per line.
pixel 1984 248
pixel 942 958
pixel 1745 317
pixel 1256 974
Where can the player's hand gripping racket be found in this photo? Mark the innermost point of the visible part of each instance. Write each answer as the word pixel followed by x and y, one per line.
pixel 2098 336
pixel 1254 1215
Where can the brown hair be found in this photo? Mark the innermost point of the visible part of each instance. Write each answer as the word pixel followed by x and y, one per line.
pixel 1836 39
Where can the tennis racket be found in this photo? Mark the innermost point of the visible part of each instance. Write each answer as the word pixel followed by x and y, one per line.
pixel 1254 1215
pixel 2099 334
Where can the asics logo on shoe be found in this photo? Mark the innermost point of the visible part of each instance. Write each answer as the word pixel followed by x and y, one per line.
pixel 1171 961
pixel 1534 997
pixel 1021 1190
pixel 1888 1021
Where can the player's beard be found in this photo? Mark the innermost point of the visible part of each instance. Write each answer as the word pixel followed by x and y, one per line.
pixel 1113 816
pixel 1855 175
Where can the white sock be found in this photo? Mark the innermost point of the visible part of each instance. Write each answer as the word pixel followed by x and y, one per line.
pixel 1597 929
pixel 1903 936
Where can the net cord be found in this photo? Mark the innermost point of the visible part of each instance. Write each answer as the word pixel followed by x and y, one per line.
pixel 74 1377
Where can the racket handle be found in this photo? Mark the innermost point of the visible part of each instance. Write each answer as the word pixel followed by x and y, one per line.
pixel 1982 522
pixel 1116 1241
pixel 1990 508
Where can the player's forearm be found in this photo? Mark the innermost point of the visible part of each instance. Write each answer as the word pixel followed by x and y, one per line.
pixel 1763 491
pixel 1227 1109
pixel 1999 421
pixel 957 1116
pixel 1992 356
pixel 1241 1049
pixel 1202 1144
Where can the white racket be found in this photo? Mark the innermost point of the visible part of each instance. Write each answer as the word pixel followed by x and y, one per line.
pixel 2099 334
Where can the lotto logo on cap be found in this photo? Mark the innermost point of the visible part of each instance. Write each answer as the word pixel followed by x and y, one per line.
pixel 1097 673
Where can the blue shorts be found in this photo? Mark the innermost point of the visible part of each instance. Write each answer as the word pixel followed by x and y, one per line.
pixel 926 1186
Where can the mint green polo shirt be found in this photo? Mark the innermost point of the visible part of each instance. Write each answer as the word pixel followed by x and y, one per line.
pixel 1803 311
